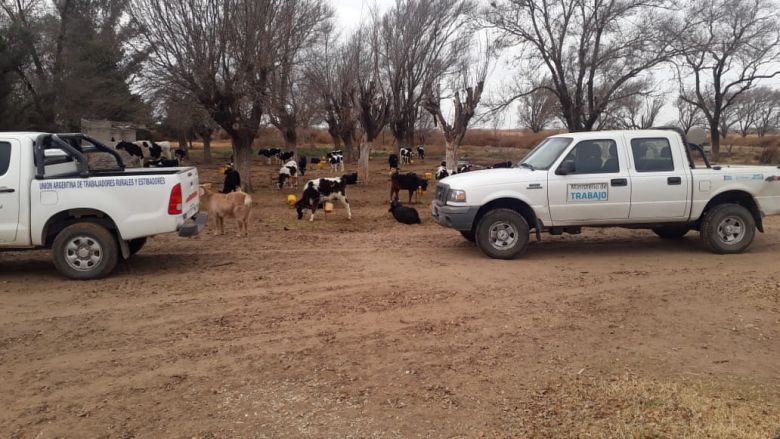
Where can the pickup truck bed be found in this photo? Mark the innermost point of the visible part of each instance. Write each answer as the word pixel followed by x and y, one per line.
pixel 47 188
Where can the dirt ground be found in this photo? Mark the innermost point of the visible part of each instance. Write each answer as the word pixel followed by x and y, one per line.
pixel 369 328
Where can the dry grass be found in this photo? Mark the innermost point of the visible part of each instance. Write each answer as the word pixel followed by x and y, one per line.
pixel 632 407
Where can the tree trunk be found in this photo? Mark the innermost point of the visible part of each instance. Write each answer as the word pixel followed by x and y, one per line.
pixel 242 156
pixel 207 149
pixel 365 152
pixel 290 139
pixel 451 155
pixel 349 149
pixel 715 139
pixel 336 141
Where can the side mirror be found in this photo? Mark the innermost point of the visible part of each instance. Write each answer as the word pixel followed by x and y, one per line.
pixel 566 168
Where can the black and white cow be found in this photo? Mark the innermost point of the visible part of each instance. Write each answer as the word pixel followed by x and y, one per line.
pixel 406 156
pixel 320 190
pixel 421 152
pixel 302 164
pixel 132 149
pixel 392 160
pixel 285 156
pixel 288 172
pixel 352 178
pixel 442 172
pixel 410 182
pixel 336 161
pixel 269 153
pixel 163 163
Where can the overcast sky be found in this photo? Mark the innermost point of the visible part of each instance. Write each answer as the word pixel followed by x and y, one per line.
pixel 350 13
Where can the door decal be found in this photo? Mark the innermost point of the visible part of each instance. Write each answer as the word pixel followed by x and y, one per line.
pixel 587 192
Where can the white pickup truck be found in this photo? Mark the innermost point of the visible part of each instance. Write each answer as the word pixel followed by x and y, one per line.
pixel 51 198
pixel 644 179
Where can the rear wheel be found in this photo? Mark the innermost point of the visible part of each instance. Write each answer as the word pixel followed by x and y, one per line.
pixel 502 234
pixel 85 251
pixel 728 228
pixel 672 232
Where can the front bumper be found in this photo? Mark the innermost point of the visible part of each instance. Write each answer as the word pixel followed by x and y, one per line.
pixel 194 225
pixel 455 217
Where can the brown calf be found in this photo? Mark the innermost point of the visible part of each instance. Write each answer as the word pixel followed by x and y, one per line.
pixel 236 205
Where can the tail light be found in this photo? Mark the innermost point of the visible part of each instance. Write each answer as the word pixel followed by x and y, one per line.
pixel 175 201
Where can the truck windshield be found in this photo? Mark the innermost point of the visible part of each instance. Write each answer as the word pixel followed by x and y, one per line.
pixel 545 154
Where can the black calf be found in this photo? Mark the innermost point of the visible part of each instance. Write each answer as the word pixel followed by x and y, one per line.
pixel 409 182
pixel 404 215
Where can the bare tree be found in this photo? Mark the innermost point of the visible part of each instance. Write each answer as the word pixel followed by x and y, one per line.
pixel 536 110
pixel 465 87
pixel 688 115
pixel 729 46
pixel 290 99
pixel 768 112
pixel 224 53
pixel 333 72
pixel 593 51
pixel 374 99
pixel 746 109
pixel 636 112
pixel 420 41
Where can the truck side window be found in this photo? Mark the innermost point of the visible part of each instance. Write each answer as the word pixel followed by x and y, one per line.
pixel 594 157
pixel 652 155
pixel 5 157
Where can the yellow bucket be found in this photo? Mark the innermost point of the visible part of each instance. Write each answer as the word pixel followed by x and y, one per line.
pixel 292 199
pixel 221 170
pixel 328 207
pixel 321 165
pixel 428 176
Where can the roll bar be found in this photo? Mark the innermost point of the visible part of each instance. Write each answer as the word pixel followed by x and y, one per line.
pixel 48 141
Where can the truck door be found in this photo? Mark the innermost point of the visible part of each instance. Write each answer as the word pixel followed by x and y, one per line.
pixel 10 158
pixel 660 179
pixel 590 185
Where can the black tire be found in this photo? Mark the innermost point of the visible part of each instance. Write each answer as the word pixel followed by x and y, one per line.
pixel 99 251
pixel 672 233
pixel 728 229
pixel 515 239
pixel 136 245
pixel 468 235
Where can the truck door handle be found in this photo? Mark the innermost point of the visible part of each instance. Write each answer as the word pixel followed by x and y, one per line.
pixel 6 190
pixel 674 181
pixel 619 182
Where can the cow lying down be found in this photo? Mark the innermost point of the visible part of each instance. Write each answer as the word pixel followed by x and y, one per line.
pixel 321 190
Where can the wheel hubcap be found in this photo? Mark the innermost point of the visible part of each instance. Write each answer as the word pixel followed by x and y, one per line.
pixel 83 253
pixel 731 230
pixel 503 235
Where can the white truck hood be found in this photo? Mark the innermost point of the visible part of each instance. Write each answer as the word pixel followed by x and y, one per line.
pixel 491 177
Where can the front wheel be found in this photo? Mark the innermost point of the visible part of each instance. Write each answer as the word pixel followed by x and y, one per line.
pixel 85 251
pixel 728 228
pixel 502 234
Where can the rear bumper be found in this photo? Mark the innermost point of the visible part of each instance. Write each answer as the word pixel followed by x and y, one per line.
pixel 454 217
pixel 194 225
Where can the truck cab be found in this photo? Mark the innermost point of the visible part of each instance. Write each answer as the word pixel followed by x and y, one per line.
pixel 636 179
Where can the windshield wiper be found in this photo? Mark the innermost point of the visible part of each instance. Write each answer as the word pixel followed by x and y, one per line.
pixel 528 165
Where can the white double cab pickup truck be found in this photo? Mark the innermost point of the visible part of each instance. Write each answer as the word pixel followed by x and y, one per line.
pixel 90 218
pixel 644 179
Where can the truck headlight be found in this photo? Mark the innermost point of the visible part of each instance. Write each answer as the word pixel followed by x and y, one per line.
pixel 456 196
